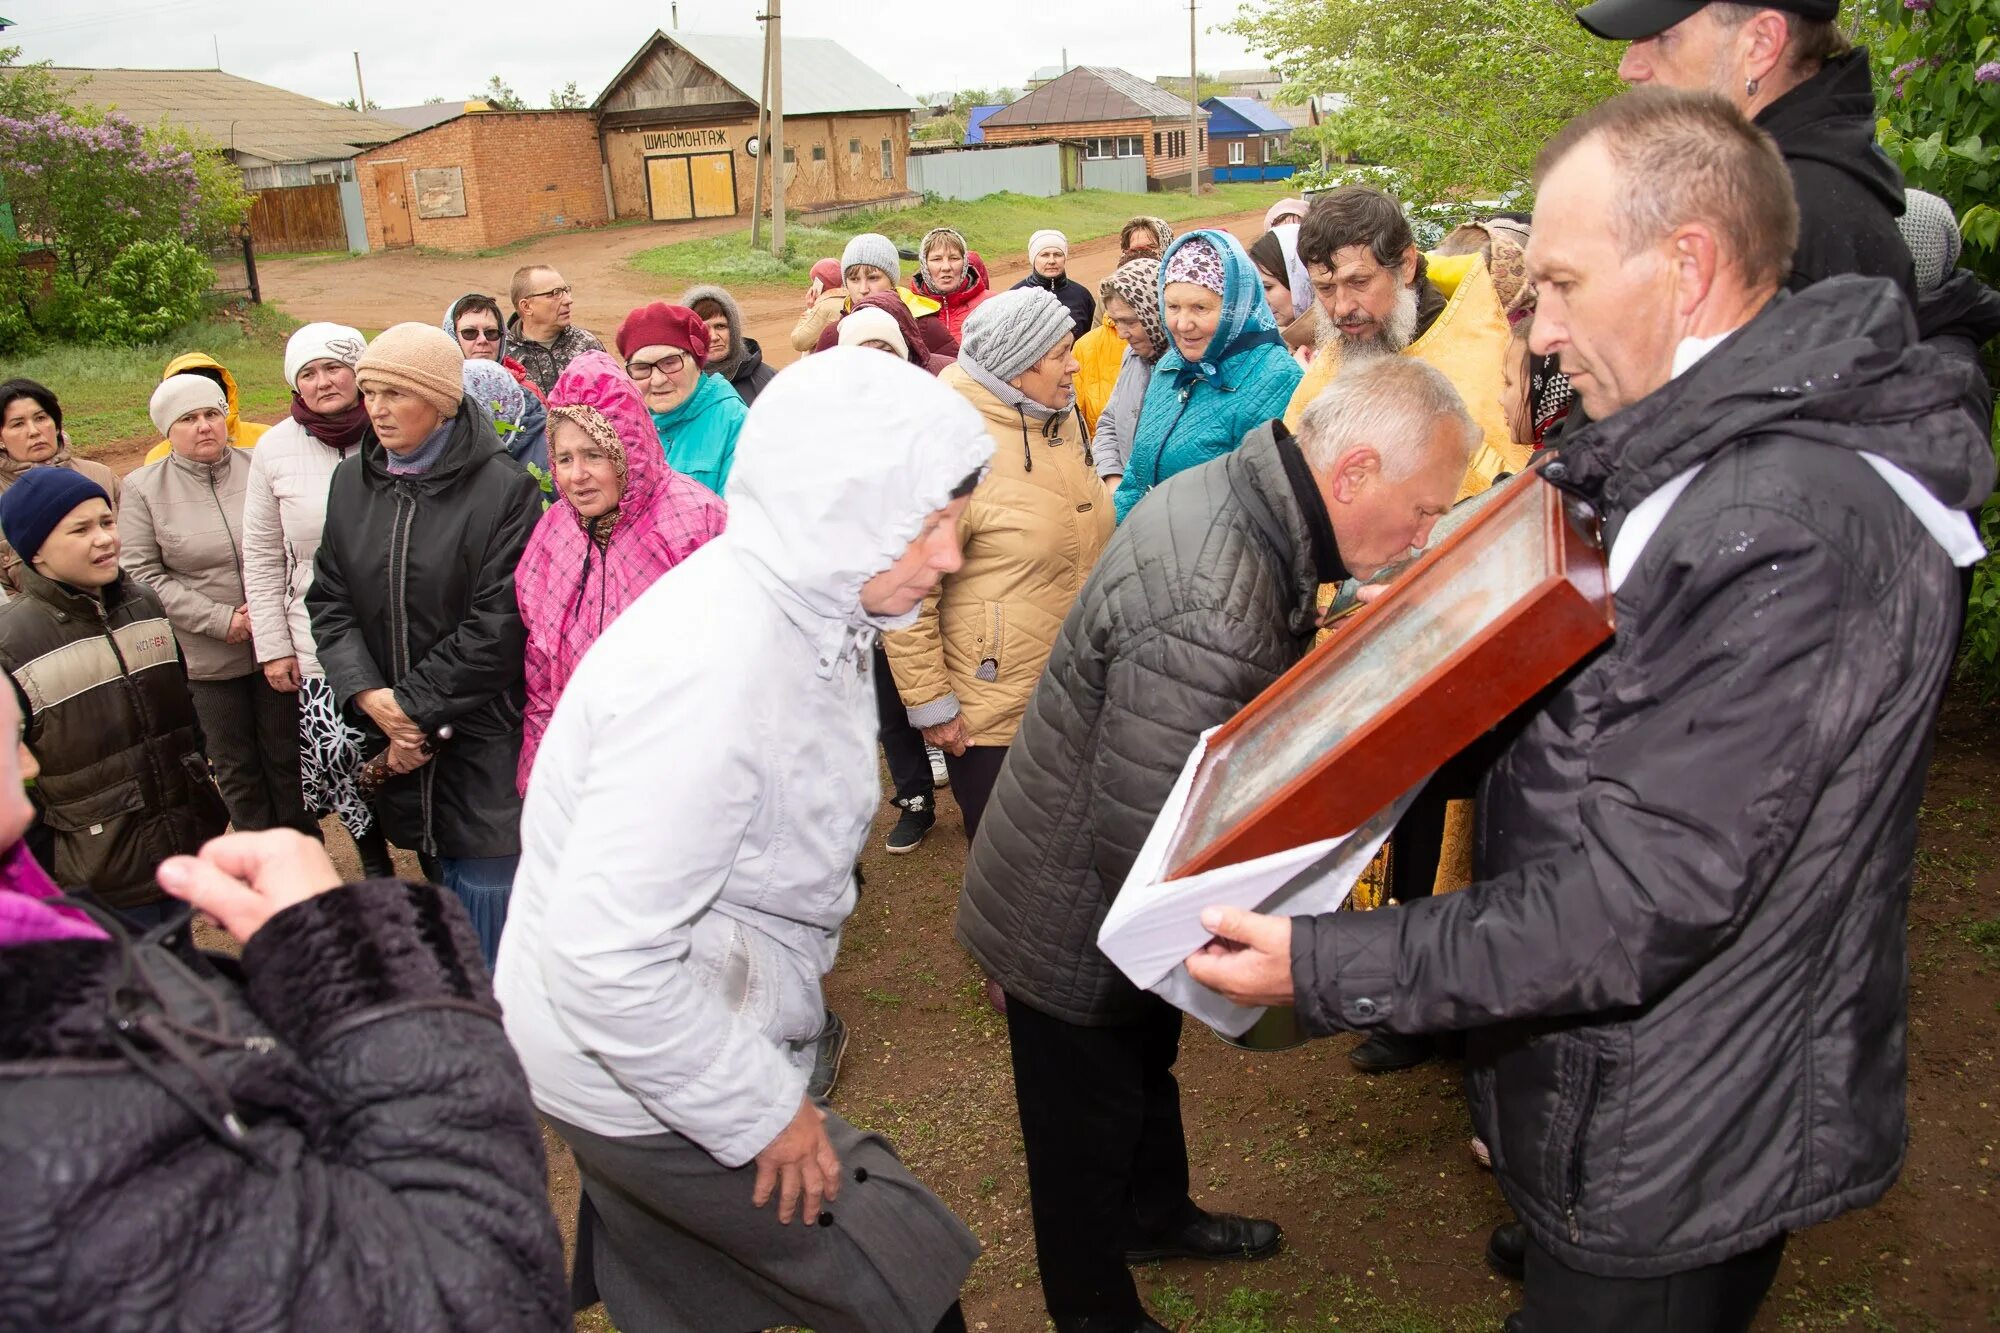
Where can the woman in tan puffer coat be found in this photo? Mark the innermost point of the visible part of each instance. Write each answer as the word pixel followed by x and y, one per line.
pixel 1034 529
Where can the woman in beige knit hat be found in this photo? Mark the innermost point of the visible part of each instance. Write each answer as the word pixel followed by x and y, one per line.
pixel 414 616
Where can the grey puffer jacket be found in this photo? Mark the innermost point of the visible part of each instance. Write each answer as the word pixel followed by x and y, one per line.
pixel 332 1134
pixel 1684 965
pixel 1205 595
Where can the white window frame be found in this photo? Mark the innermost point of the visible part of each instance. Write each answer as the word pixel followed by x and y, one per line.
pixel 1235 152
pixel 1131 145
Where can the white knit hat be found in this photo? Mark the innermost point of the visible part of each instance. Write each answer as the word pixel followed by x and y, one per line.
pixel 871 248
pixel 321 342
pixel 179 395
pixel 1930 229
pixel 871 324
pixel 1012 331
pixel 1048 238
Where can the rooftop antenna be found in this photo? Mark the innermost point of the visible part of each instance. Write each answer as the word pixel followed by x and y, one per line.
pixel 675 9
pixel 218 49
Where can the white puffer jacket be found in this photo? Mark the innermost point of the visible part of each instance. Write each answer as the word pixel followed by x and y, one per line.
pixel 708 778
pixel 283 512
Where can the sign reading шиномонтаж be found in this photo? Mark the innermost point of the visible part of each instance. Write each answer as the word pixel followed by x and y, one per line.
pixel 659 139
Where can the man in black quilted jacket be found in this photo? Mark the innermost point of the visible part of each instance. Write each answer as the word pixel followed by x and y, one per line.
pixel 1205 596
pixel 1683 969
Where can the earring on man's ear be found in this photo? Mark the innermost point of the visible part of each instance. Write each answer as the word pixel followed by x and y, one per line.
pixel 1750 87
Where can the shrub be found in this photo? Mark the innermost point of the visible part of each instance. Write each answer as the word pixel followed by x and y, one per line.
pixel 151 289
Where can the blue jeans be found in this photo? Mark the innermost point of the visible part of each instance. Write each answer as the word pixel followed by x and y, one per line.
pixel 483 884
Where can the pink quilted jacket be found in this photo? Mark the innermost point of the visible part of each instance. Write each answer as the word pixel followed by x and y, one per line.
pixel 571 587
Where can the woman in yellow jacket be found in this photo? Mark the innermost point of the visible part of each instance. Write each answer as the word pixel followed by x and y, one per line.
pixel 1034 529
pixel 243 434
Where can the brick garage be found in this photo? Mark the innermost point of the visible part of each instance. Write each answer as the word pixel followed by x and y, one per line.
pixel 483 179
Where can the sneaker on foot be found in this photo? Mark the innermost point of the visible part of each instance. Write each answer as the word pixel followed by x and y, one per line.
pixel 828 1050
pixel 919 813
pixel 940 775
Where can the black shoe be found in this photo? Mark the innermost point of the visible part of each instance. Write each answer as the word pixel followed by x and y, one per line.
pixel 373 847
pixel 832 1045
pixel 1098 1323
pixel 1514 1324
pixel 1507 1250
pixel 1212 1236
pixel 919 813
pixel 1388 1051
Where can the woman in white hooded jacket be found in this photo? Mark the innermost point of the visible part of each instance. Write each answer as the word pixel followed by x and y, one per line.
pixel 687 862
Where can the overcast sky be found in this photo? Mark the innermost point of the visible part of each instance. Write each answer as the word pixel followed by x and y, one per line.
pixel 411 51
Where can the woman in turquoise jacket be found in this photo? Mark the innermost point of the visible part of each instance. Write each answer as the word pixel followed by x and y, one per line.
pixel 698 416
pixel 1226 373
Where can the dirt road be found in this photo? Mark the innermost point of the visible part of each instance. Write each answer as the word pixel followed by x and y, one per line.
pixel 383 289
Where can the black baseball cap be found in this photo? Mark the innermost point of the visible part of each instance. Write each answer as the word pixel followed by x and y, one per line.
pixel 1636 20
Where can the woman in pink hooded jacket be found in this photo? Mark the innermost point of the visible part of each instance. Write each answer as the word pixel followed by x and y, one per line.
pixel 622 519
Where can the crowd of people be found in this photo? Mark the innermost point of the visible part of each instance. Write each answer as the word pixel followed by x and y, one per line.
pixel 614 639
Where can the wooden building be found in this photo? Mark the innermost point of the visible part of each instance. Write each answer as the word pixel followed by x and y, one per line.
pixel 675 127
pixel 1247 140
pixel 479 179
pixel 1114 115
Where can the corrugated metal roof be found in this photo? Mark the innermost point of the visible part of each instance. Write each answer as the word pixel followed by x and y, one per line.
pixel 1091 93
pixel 1258 115
pixel 427 115
pixel 821 77
pixel 239 114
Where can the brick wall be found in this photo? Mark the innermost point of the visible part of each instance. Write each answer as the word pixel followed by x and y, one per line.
pixel 1158 163
pixel 525 173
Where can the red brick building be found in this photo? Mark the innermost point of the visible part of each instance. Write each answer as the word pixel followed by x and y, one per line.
pixel 483 178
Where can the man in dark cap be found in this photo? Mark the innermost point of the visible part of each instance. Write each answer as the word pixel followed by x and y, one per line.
pixel 1789 68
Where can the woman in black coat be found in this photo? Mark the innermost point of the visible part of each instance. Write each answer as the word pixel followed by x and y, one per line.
pixel 329 1133
pixel 413 611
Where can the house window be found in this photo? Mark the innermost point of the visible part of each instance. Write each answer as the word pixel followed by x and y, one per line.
pixel 1201 139
pixel 888 160
pixel 819 152
pixel 1156 143
pixel 791 155
pixel 854 148
pixel 1270 149
pixel 1093 149
pixel 1132 145
pixel 1235 152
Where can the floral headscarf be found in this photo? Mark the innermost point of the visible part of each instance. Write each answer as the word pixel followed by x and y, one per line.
pixel 1217 260
pixel 1137 283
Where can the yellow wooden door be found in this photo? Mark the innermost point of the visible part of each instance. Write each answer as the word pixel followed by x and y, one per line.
pixel 714 176
pixel 668 187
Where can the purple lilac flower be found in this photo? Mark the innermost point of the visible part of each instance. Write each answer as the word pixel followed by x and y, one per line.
pixel 1919 5
pixel 1987 73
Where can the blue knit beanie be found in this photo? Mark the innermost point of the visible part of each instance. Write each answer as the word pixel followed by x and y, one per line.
pixel 42 498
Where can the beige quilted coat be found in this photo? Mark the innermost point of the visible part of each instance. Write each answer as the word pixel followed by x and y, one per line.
pixel 1034 529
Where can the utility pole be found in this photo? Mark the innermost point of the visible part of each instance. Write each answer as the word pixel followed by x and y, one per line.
pixel 218 49
pixel 1194 113
pixel 361 89
pixel 777 31
pixel 763 142
pixel 675 10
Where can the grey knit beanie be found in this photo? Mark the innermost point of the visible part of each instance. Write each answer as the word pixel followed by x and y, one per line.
pixel 1012 331
pixel 1930 229
pixel 871 248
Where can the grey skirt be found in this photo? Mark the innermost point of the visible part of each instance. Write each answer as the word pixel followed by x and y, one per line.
pixel 670 1242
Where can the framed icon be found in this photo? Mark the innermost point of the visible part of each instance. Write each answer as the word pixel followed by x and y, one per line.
pixel 1516 595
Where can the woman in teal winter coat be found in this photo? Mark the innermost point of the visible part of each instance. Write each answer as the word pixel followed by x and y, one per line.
pixel 698 416
pixel 1226 373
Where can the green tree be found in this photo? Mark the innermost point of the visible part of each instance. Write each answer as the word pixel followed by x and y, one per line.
pixel 30 90
pixel 499 96
pixel 568 99
pixel 1456 99
pixel 351 105
pixel 1937 82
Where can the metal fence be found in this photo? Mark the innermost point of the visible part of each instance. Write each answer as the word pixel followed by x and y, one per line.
pixel 1124 174
pixel 973 173
pixel 235 267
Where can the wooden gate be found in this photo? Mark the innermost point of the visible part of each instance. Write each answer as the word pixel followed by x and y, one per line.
pixel 701 185
pixel 299 217
pixel 392 202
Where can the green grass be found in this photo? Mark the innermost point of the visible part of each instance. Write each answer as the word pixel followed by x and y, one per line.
pixel 104 390
pixel 1342 1306
pixel 996 226
pixel 1983 936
